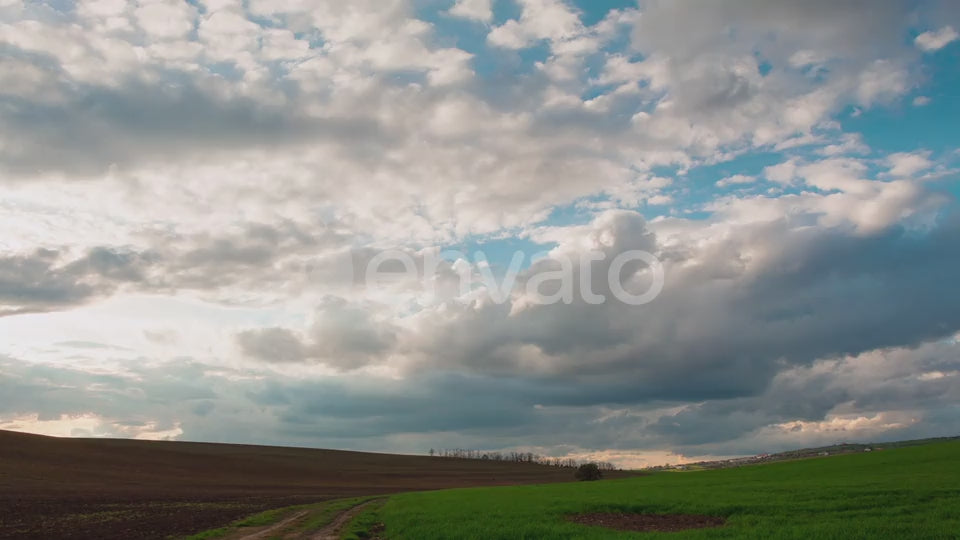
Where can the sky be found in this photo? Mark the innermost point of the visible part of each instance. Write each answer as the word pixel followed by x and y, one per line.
pixel 193 193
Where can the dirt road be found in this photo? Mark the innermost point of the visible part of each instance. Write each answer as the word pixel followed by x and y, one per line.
pixel 335 528
pixel 291 527
pixel 268 532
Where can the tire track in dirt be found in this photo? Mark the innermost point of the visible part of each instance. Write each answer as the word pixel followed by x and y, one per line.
pixel 333 530
pixel 268 532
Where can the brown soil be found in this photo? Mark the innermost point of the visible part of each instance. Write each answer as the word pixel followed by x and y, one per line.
pixel 376 532
pixel 268 531
pixel 109 488
pixel 648 522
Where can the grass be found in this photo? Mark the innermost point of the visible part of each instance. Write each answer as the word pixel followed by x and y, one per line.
pixel 902 493
pixel 319 515
pixel 329 511
pixel 211 534
pixel 360 526
pixel 261 519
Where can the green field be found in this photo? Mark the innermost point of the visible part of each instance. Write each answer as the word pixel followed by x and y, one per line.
pixel 895 493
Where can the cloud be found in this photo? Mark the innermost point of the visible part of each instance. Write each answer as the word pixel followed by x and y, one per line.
pixel 736 179
pixel 877 394
pixel 826 29
pixel 166 20
pixel 934 40
pixel 869 397
pixel 908 164
pixel 785 290
pixel 89 425
pixel 778 304
pixel 477 10
pixel 782 172
pixel 342 336
pixel 736 69
pixel 552 20
pixel 46 280
pixel 272 345
pixel 103 127
pixel 198 187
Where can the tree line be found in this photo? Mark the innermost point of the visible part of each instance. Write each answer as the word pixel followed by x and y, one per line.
pixel 518 457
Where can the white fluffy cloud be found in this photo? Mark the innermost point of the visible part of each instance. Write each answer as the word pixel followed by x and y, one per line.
pixel 478 10
pixel 908 164
pixel 934 40
pixel 552 20
pixel 165 19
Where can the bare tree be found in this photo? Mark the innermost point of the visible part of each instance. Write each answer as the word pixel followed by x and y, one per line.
pixel 520 457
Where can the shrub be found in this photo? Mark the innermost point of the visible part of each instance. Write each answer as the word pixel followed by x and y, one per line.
pixel 588 471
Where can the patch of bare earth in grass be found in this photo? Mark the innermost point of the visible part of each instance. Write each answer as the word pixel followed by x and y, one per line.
pixel 648 522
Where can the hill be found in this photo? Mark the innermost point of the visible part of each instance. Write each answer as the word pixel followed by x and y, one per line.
pixel 803 453
pixel 909 491
pixel 106 488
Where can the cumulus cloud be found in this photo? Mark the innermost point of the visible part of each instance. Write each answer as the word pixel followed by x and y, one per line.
pixel 342 336
pixel 552 20
pixel 734 311
pixel 479 10
pixel 907 164
pixel 934 40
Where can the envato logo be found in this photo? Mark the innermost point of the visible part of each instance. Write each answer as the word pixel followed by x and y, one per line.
pixel 634 277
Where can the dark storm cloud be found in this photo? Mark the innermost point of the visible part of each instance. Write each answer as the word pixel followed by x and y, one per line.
pixel 920 379
pixel 820 294
pixel 534 409
pixel 218 404
pixel 846 288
